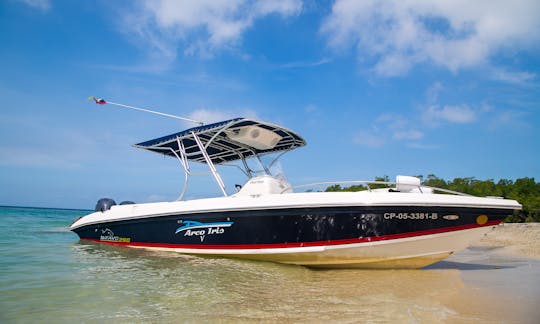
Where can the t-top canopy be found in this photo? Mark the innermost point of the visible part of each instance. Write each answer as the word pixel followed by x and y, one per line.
pixel 226 141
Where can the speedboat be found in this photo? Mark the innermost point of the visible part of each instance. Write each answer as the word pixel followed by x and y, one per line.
pixel 403 225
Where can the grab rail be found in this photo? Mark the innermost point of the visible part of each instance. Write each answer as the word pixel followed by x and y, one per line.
pixel 368 182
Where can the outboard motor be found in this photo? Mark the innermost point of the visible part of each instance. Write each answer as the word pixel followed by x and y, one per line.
pixel 104 204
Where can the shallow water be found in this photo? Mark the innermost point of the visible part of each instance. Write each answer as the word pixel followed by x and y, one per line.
pixel 47 275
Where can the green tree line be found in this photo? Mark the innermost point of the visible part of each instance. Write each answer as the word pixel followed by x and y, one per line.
pixel 525 190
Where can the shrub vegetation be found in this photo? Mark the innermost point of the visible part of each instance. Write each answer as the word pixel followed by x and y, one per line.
pixel 525 190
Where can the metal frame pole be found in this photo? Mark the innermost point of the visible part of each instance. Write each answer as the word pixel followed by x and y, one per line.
pixel 210 163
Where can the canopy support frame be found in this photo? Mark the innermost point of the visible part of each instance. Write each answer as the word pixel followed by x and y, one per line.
pixel 208 160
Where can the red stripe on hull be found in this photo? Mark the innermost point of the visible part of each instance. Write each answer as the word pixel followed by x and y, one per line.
pixel 301 244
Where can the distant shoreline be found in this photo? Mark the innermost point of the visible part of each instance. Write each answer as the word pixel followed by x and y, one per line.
pixel 50 208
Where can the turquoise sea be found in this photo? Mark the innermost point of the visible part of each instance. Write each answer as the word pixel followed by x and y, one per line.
pixel 48 275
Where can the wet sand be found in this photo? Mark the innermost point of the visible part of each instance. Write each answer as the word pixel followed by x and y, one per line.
pixel 501 277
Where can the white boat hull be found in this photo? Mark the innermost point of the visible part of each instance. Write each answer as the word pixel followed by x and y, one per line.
pixel 412 252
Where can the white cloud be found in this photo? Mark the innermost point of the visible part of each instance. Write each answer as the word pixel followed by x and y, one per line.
pixel 394 121
pixel 420 146
pixel 394 36
pixel 513 77
pixel 408 135
pixel 400 127
pixel 509 120
pixel 461 114
pixel 369 139
pixel 311 109
pixel 59 149
pixel 56 148
pixel 198 27
pixel 305 64
pixel 432 93
pixel 208 116
pixel 388 127
pixel 36 157
pixel 43 5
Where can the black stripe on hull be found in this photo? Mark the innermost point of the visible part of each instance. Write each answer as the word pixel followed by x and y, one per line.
pixel 289 226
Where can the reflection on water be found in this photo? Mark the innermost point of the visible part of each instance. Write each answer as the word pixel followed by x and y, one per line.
pixel 101 282
pixel 121 284
pixel 146 284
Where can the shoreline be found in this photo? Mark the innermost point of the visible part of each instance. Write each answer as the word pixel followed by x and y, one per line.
pixel 499 276
pixel 522 239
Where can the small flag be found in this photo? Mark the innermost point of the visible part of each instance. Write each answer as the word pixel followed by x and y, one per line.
pixel 99 101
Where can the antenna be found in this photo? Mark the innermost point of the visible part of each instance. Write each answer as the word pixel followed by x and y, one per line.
pixel 101 101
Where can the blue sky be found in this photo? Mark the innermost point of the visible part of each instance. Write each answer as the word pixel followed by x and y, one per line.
pixel 413 87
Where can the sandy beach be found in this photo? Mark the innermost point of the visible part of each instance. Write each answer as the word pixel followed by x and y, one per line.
pixel 517 239
pixel 500 276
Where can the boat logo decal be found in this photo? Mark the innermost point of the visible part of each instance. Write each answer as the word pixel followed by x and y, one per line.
pixel 108 235
pixel 194 228
pixel 450 217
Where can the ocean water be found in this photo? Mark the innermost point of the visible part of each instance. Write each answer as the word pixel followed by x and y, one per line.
pixel 48 275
